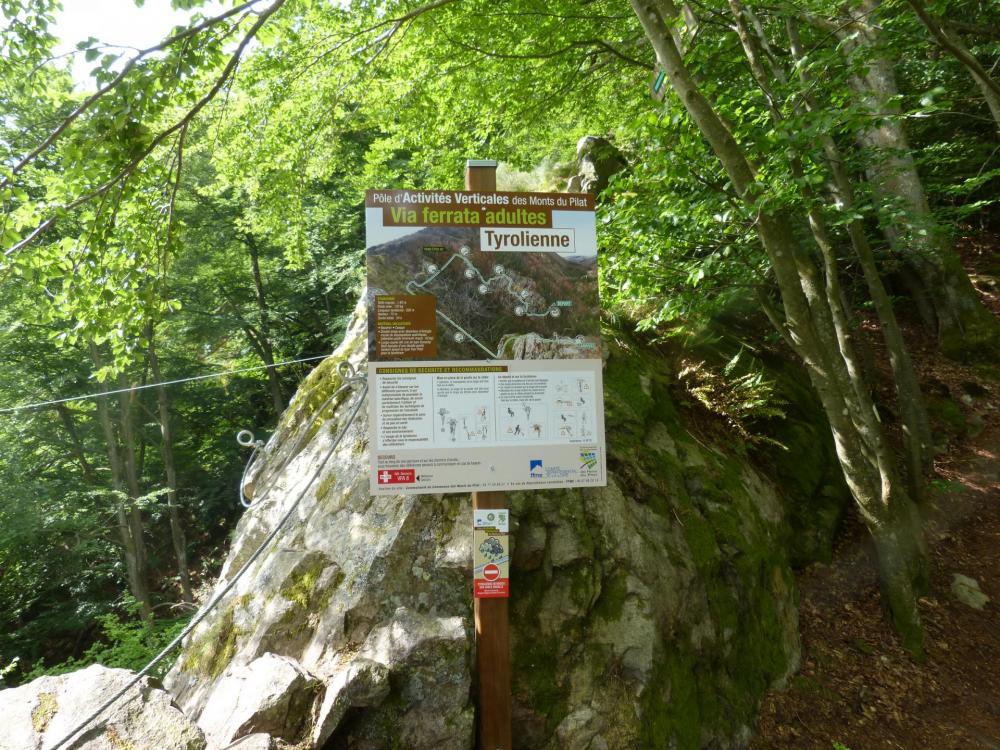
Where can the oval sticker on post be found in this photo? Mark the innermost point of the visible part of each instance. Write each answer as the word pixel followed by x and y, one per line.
pixel 491 553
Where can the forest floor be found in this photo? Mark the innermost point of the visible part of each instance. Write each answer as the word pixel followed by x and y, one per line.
pixel 856 687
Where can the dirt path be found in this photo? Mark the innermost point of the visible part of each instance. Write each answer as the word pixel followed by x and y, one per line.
pixel 856 686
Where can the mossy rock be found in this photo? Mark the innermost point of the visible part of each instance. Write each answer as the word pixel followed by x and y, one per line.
pixel 947 416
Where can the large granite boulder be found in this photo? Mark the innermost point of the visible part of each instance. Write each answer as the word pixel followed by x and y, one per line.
pixel 41 713
pixel 271 695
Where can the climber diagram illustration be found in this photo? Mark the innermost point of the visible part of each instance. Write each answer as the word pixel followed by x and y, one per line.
pixel 465 426
pixel 525 421
pixel 523 303
pixel 574 415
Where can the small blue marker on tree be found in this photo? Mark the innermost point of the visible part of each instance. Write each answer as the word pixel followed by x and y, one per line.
pixel 657 89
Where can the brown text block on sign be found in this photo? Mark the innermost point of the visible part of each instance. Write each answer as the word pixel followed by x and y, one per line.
pixel 405 326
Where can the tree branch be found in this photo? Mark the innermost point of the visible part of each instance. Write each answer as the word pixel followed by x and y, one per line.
pixel 123 176
pixel 943 38
pixel 90 100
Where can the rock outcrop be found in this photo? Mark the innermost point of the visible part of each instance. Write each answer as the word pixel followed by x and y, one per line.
pixel 41 713
pixel 651 613
pixel 597 161
pixel 271 695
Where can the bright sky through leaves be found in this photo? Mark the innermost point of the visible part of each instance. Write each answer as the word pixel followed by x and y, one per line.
pixel 117 22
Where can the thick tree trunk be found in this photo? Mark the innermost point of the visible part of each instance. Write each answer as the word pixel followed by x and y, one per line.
pixel 965 327
pixel 813 324
pixel 134 567
pixel 902 563
pixel 266 349
pixel 177 535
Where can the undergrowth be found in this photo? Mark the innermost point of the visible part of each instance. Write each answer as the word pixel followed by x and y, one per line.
pixel 741 394
pixel 126 642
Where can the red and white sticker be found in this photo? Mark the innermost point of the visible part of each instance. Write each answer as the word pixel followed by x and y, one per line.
pixel 397 476
pixel 490 553
pixel 498 589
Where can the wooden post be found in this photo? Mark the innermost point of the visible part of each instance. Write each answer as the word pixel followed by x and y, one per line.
pixel 492 640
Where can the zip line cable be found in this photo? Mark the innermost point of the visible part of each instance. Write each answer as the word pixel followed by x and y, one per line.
pixel 351 379
pixel 40 404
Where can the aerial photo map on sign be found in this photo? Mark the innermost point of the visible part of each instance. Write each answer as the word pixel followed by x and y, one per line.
pixel 484 341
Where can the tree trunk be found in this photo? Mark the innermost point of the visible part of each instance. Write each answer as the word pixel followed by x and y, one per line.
pixel 137 526
pixel 167 450
pixel 66 417
pixel 134 562
pixel 812 322
pixel 966 328
pixel 913 415
pixel 267 351
pixel 952 43
pixel 902 564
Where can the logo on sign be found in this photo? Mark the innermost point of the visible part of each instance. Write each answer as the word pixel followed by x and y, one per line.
pixel 535 468
pixel 588 459
pixel 397 476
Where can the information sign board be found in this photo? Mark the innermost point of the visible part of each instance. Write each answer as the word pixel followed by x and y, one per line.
pixel 484 341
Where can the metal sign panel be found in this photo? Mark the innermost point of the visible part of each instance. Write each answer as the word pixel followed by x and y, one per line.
pixel 484 341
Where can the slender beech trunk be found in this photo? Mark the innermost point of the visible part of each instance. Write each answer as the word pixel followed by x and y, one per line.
pixel 949 40
pixel 131 465
pixel 965 327
pixel 76 445
pixel 916 426
pixel 177 536
pixel 135 563
pixel 913 415
pixel 267 351
pixel 811 322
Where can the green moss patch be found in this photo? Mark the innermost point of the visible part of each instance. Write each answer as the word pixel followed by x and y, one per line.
pixel 213 651
pixel 303 587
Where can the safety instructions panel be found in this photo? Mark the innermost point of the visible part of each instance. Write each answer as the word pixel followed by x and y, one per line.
pixel 490 548
pixel 484 341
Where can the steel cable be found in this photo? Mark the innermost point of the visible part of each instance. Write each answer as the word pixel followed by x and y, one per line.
pixel 350 382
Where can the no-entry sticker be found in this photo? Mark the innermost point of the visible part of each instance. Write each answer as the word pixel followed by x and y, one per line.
pixel 491 551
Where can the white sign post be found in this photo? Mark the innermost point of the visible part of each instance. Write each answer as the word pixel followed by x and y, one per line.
pixel 484 369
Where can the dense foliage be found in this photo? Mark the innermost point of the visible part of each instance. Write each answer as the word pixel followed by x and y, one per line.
pixel 197 208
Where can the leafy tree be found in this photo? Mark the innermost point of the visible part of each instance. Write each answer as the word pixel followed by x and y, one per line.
pixel 203 203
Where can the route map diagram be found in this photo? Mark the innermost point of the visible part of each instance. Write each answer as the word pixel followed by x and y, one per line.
pixel 521 301
pixel 498 305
